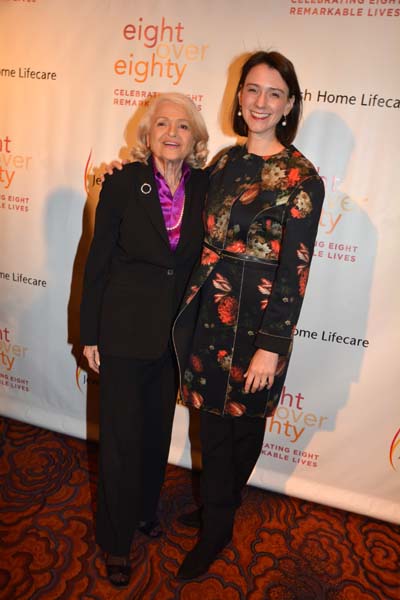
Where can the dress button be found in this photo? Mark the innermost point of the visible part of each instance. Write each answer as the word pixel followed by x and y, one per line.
pixel 170 271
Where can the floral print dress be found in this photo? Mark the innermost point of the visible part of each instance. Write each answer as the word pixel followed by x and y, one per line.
pixel 261 222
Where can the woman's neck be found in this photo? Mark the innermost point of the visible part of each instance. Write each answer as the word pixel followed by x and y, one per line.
pixel 171 171
pixel 263 146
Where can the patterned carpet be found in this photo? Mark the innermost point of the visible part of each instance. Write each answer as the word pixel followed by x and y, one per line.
pixel 282 549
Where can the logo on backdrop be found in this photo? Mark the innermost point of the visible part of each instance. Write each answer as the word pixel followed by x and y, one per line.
pixel 291 423
pixel 337 208
pixel 11 354
pixel 90 179
pixel 394 452
pixel 136 97
pixel 170 54
pixel 12 166
pixel 27 72
pixel 22 2
pixel 22 278
pixel 332 337
pixel 330 8
pixel 365 99
pixel 157 51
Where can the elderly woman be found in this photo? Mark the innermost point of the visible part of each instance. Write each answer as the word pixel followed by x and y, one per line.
pixel 147 238
pixel 244 300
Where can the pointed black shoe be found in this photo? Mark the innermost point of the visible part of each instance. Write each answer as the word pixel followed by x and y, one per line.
pixel 118 570
pixel 198 560
pixel 191 519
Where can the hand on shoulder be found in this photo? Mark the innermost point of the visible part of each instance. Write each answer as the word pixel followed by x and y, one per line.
pixel 109 169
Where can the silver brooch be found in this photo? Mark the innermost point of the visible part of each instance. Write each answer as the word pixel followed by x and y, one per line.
pixel 146 188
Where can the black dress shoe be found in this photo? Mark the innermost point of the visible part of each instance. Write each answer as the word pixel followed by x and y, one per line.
pixel 118 570
pixel 191 519
pixel 151 528
pixel 198 560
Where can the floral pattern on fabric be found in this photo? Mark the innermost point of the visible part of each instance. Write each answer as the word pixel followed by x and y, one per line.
pixel 261 222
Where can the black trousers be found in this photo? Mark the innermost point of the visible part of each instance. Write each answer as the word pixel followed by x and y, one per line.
pixel 230 450
pixel 137 404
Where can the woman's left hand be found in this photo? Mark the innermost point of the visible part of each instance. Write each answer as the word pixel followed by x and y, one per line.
pixel 91 353
pixel 261 371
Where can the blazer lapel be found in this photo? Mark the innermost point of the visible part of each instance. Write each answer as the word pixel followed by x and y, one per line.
pixel 184 233
pixel 148 197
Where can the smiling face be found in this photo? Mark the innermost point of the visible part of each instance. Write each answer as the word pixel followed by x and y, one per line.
pixel 264 99
pixel 170 136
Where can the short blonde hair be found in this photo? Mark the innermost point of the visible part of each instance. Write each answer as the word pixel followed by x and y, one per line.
pixel 197 158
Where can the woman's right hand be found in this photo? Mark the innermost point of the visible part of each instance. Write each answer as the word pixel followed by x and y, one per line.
pixel 93 357
pixel 115 164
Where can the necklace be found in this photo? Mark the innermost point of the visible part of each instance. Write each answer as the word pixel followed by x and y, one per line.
pixel 179 221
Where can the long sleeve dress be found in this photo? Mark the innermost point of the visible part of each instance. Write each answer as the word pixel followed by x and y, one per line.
pixel 261 221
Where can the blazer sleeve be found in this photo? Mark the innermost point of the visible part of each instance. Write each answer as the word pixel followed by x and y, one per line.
pixel 297 247
pixel 108 217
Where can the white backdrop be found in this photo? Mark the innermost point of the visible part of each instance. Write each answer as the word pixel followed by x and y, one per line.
pixel 74 76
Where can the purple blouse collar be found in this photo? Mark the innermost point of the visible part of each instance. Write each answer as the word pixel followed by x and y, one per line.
pixel 172 205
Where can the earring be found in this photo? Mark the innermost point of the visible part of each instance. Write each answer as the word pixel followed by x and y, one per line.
pixel 239 112
pixel 284 122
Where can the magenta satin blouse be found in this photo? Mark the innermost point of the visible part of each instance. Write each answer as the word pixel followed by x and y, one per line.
pixel 172 206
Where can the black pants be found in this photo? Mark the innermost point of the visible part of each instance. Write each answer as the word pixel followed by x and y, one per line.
pixel 137 404
pixel 230 449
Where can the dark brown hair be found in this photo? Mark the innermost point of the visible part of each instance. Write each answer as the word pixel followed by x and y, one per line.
pixel 285 68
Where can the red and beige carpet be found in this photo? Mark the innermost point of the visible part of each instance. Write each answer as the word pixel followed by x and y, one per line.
pixel 282 549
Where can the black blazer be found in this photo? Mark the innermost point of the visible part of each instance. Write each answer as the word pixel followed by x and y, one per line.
pixel 133 281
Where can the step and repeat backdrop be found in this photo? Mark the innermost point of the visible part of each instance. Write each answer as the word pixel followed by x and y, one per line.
pixel 74 79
